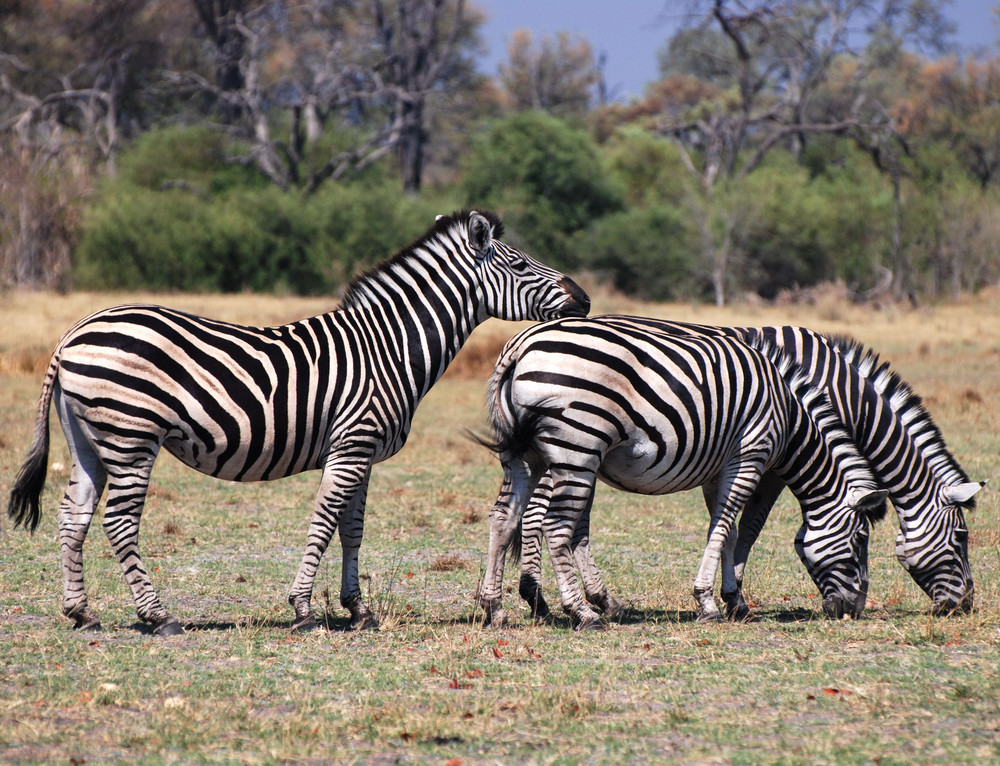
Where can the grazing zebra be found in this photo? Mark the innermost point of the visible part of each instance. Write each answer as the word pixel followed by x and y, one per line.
pixel 335 393
pixel 891 428
pixel 654 413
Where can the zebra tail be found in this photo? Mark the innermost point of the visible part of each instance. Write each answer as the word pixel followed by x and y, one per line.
pixel 24 505
pixel 515 547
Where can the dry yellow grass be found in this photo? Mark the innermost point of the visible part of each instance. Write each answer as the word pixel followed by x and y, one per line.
pixel 432 686
pixel 33 321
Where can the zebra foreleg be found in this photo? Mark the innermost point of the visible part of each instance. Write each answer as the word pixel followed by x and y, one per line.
pixel 752 521
pixel 734 487
pixel 341 483
pixel 351 530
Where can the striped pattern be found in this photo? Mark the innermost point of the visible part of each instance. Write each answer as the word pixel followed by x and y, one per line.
pixel 652 412
pixel 334 393
pixel 891 428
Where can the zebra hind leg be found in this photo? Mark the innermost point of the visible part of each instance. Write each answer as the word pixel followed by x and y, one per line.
pixel 572 492
pixel 593 584
pixel 75 514
pixel 83 492
pixel 530 584
pixel 123 511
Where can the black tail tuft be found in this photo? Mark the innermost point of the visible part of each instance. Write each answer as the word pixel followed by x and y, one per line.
pixel 24 506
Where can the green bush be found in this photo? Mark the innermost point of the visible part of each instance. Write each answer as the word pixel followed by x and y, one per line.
pixel 806 230
pixel 201 226
pixel 545 178
pixel 647 167
pixel 643 252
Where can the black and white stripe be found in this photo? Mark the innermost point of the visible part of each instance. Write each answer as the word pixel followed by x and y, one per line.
pixel 652 412
pixel 335 393
pixel 891 428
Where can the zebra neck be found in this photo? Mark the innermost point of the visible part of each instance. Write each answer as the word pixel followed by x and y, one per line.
pixel 420 309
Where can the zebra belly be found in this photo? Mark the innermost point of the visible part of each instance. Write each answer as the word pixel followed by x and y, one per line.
pixel 638 466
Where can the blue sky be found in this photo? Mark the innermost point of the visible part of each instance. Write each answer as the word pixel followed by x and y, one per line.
pixel 631 32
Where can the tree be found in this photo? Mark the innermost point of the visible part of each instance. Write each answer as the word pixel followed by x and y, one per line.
pixel 73 78
pixel 329 86
pixel 776 86
pixel 421 44
pixel 556 75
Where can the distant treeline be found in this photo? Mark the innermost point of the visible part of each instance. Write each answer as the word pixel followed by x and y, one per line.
pixel 230 145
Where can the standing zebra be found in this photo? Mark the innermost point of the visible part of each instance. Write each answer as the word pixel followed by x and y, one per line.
pixel 336 393
pixel 892 430
pixel 654 413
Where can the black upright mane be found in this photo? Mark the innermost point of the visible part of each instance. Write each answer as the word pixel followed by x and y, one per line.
pixel 907 404
pixel 356 288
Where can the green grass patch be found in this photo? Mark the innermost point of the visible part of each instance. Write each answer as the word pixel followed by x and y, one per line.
pixel 432 685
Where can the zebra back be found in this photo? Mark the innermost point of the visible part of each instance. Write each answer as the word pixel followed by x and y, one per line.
pixel 908 407
pixel 827 459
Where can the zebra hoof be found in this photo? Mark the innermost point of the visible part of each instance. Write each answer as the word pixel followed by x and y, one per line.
pixel 93 624
pixel 740 613
pixel 540 611
pixel 612 607
pixel 367 621
pixel 589 623
pixel 496 618
pixel 709 616
pixel 83 618
pixel 304 624
pixel 169 628
pixel 736 609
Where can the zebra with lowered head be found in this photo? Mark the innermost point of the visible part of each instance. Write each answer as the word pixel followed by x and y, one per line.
pixel 893 431
pixel 653 413
pixel 334 393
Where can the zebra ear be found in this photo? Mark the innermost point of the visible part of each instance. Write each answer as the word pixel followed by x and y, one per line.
pixel 870 502
pixel 480 234
pixel 957 494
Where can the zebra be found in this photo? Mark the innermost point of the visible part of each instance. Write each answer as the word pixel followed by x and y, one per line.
pixel 891 428
pixel 653 413
pixel 335 393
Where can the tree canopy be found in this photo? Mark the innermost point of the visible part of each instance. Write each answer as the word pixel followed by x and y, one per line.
pixel 784 143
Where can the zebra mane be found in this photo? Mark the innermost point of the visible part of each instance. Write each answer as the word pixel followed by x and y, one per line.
pixel 906 404
pixel 360 287
pixel 816 402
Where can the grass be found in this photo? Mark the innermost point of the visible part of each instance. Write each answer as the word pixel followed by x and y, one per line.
pixel 433 686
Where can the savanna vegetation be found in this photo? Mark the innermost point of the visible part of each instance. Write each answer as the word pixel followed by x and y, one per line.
pixel 431 685
pixel 822 163
pixel 248 145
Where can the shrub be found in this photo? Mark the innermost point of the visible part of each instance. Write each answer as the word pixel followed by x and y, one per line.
pixel 201 226
pixel 644 252
pixel 546 179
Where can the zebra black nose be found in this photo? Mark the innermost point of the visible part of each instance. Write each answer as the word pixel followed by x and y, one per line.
pixel 950 606
pixel 579 301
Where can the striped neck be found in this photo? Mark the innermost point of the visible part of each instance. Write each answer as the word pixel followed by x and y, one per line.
pixel 428 294
pixel 907 406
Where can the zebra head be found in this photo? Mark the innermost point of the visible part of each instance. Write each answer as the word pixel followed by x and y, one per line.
pixel 937 554
pixel 839 495
pixel 514 285
pixel 836 556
